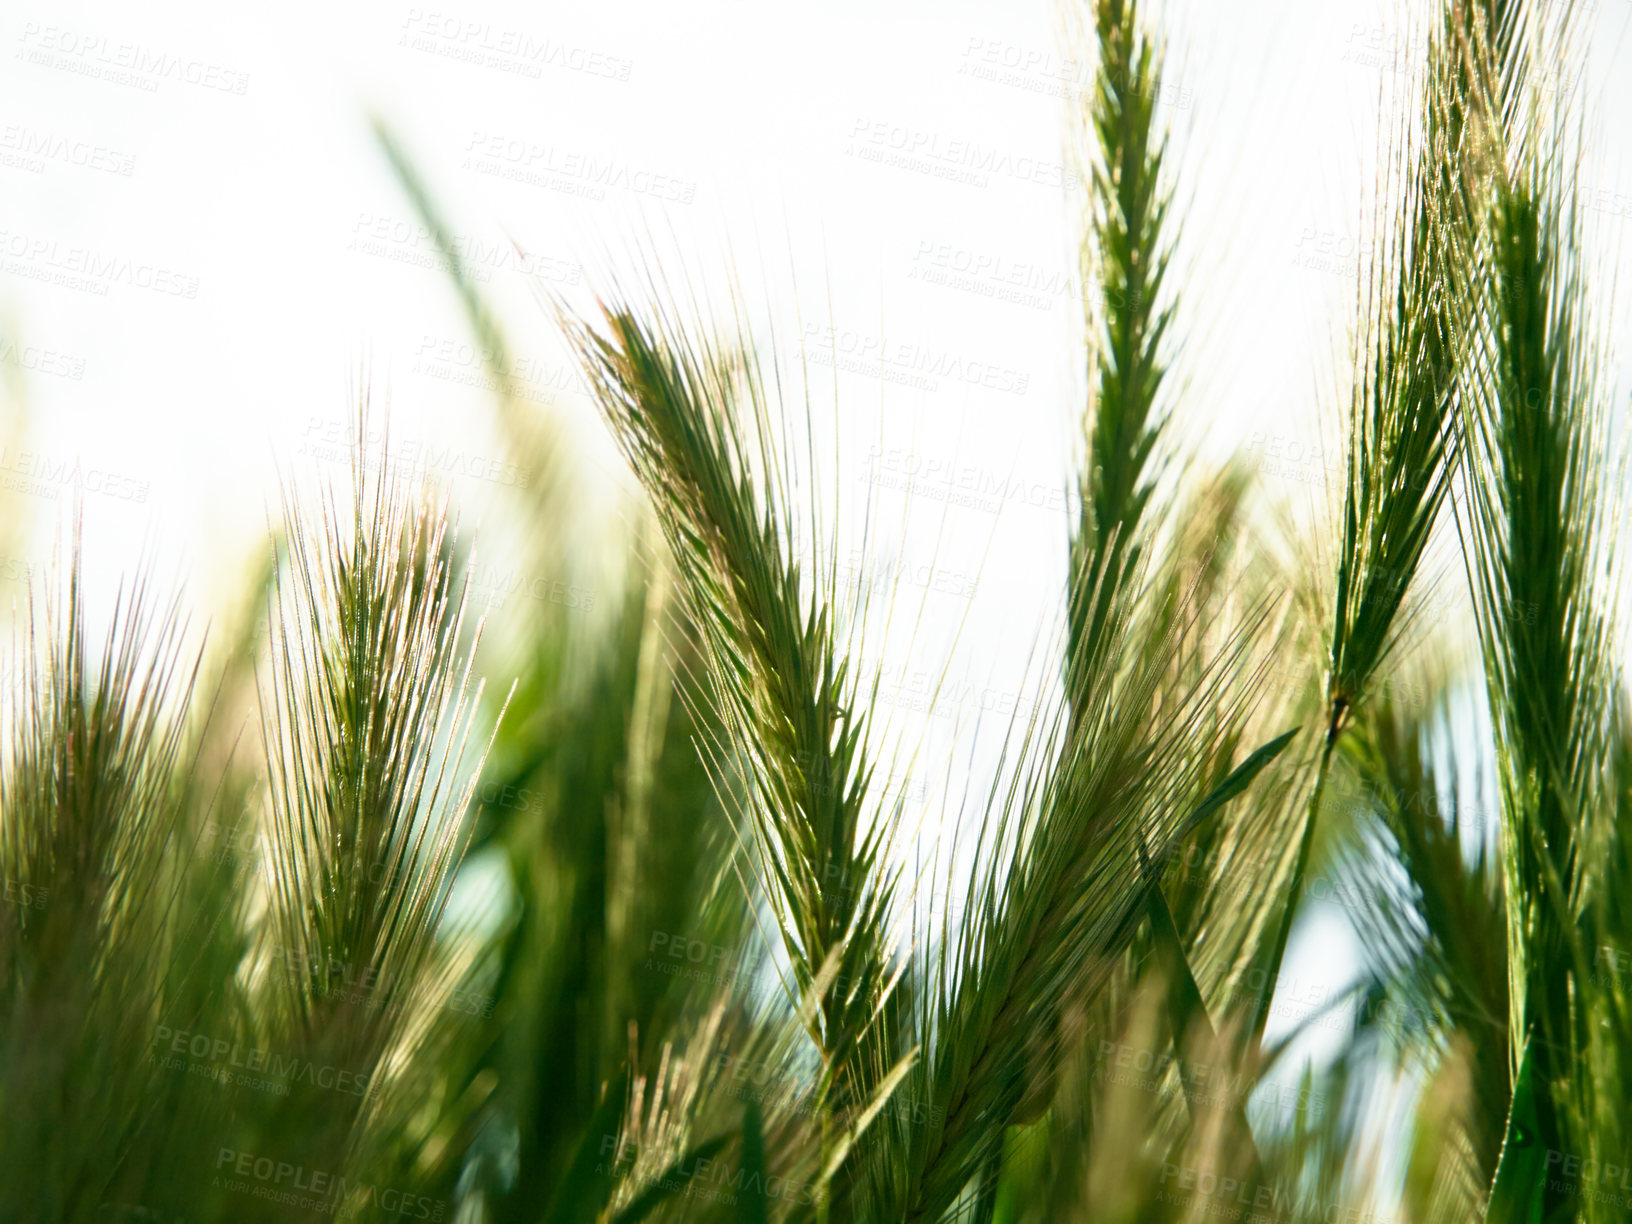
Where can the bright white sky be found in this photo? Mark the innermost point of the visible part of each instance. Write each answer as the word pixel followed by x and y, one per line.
pixel 222 158
pixel 206 173
pixel 256 193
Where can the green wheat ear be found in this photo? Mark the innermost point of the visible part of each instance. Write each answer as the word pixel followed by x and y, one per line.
pixel 1127 251
pixel 1537 557
pixel 1416 340
pixel 90 811
pixel 368 715
pixel 697 422
pixel 1126 259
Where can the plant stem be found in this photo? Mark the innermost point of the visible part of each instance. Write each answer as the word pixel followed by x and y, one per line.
pixel 1294 893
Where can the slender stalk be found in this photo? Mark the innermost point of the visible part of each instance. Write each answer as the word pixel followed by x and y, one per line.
pixel 1403 444
pixel 1300 870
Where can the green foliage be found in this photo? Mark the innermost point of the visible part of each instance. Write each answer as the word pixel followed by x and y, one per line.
pixel 643 940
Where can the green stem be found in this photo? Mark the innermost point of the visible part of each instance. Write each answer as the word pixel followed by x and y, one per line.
pixel 1300 869
pixel 824 1200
